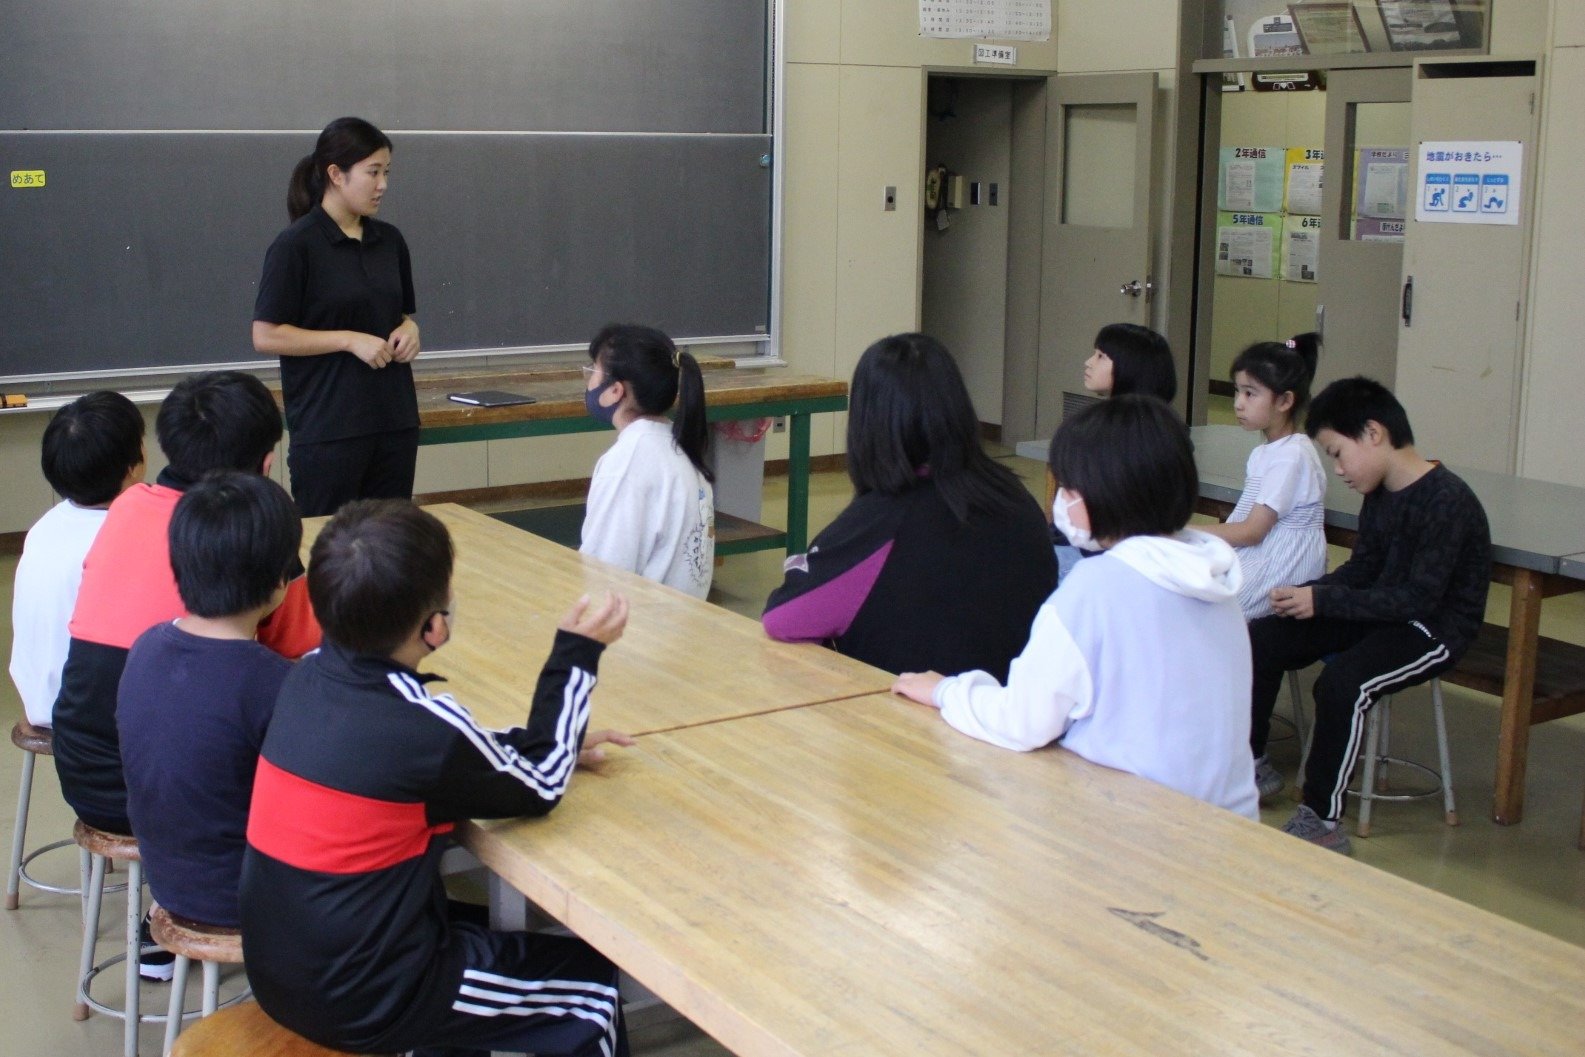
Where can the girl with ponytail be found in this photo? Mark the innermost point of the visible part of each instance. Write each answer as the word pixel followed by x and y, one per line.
pixel 651 502
pixel 336 304
pixel 1276 528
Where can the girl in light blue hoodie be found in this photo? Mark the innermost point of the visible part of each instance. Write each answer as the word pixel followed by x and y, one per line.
pixel 1140 660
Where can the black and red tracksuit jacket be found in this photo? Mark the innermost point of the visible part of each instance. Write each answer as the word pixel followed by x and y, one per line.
pixel 363 772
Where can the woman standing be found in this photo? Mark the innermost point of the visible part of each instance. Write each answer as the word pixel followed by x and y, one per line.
pixel 336 305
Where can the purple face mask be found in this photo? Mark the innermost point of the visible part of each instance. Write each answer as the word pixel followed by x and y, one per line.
pixel 591 403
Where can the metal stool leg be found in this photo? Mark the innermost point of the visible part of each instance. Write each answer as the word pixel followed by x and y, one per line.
pixel 19 837
pixel 1450 811
pixel 134 949
pixel 1367 783
pixel 84 867
pixel 94 890
pixel 173 1012
pixel 211 987
pixel 1385 760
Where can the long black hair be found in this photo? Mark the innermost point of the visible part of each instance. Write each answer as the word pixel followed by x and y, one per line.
pixel 658 376
pixel 1141 361
pixel 344 143
pixel 910 417
pixel 1283 367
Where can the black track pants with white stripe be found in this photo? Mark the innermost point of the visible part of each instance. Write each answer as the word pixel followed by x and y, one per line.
pixel 1364 663
pixel 529 992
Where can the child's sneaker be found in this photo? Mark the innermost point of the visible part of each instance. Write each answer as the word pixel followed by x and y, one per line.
pixel 1307 825
pixel 1268 780
pixel 154 961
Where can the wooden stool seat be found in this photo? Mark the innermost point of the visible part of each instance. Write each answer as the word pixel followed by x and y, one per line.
pixel 121 846
pixel 28 738
pixel 245 1031
pixel 195 940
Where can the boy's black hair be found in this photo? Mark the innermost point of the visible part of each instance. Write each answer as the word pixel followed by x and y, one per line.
pixel 909 415
pixel 1282 367
pixel 221 420
pixel 1141 361
pixel 1132 461
pixel 1348 404
pixel 90 446
pixel 660 378
pixel 380 568
pixel 234 540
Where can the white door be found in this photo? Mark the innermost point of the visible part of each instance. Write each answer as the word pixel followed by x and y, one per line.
pixel 1098 222
pixel 1361 254
pixel 1459 335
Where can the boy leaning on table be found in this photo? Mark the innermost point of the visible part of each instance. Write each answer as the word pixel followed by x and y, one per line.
pixel 349 937
pixel 1403 608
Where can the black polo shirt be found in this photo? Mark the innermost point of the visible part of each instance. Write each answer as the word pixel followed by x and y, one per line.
pixel 317 278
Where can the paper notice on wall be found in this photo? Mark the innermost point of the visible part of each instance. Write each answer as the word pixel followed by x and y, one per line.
pixel 1381 175
pixel 993 19
pixel 1376 229
pixel 1469 182
pixel 1247 244
pixel 1251 179
pixel 1304 180
pixel 1301 248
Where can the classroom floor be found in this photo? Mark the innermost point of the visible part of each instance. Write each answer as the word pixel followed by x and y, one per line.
pixel 1532 873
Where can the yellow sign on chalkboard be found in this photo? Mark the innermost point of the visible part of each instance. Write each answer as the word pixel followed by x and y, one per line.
pixel 27 177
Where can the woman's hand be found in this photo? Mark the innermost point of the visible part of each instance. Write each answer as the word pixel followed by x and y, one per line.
pixel 370 349
pixel 404 341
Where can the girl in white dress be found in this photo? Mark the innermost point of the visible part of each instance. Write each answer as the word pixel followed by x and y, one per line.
pixel 1276 527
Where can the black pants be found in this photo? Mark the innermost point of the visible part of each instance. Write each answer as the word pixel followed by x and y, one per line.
pixel 527 992
pixel 332 473
pixel 1365 662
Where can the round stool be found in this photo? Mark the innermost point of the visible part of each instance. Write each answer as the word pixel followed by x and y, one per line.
pixel 210 945
pixel 1373 783
pixel 245 1031
pixel 34 742
pixel 101 848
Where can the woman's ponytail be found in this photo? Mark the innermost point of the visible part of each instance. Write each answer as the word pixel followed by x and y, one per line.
pixel 689 429
pixel 305 190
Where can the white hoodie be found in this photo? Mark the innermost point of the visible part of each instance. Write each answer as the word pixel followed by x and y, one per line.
pixel 1139 661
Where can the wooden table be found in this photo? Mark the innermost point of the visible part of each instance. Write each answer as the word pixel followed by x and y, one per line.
pixel 512 588
pixel 1538 539
pixel 730 394
pixel 856 878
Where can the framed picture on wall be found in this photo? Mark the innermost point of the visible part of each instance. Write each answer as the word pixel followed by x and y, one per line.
pixel 1329 28
pixel 1431 25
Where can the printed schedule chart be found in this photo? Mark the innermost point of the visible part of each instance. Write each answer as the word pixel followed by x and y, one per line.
pixel 999 19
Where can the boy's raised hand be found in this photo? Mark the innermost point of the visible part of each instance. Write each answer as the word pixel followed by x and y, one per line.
pixel 604 625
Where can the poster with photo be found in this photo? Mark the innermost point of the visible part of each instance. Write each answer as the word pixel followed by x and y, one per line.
pixel 1247 244
pixel 1301 249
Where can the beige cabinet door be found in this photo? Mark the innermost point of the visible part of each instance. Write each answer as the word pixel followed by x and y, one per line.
pixel 1360 263
pixel 1459 336
pixel 1096 251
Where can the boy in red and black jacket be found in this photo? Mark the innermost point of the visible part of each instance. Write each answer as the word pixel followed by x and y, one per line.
pixel 349 937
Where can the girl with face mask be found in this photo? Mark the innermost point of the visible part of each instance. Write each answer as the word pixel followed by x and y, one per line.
pixel 651 502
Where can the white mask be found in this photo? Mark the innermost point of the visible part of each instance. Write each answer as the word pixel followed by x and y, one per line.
pixel 1080 538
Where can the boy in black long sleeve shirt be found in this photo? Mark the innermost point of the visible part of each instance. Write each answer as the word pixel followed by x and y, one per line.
pixel 1402 609
pixel 344 917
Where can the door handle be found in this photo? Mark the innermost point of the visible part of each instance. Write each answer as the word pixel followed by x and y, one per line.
pixel 1134 288
pixel 1407 307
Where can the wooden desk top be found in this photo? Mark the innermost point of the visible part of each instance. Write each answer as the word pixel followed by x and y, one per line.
pixel 512 588
pixel 856 878
pixel 558 392
pixel 1534 524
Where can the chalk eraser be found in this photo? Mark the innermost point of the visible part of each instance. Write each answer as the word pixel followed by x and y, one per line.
pixel 14 400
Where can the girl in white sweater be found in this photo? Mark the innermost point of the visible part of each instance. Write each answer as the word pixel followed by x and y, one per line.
pixel 651 502
pixel 1139 660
